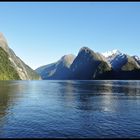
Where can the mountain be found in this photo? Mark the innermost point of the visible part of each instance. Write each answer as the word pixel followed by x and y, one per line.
pixel 57 70
pixel 110 54
pixel 88 64
pixel 6 70
pixel 121 62
pixel 137 59
pixel 10 64
pixel 124 66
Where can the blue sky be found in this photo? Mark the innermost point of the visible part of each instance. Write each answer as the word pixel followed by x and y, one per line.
pixel 41 33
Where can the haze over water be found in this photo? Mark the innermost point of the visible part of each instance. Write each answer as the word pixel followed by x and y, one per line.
pixel 69 109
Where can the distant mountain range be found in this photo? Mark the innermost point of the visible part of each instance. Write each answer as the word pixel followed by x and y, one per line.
pixel 11 66
pixel 89 65
pixel 57 70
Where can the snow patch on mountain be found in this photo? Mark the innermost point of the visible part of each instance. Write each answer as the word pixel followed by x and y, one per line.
pixel 110 53
pixel 136 57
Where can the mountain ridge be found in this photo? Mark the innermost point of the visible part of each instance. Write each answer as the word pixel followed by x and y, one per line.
pixel 88 65
pixel 23 70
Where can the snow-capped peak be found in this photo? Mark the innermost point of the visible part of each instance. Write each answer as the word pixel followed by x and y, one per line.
pixel 136 57
pixel 110 53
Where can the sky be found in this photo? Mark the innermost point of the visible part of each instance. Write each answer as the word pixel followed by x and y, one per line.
pixel 42 32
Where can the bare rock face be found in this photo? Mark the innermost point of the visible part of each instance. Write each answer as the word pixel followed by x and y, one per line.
pixel 3 42
pixel 24 71
pixel 67 60
pixel 57 70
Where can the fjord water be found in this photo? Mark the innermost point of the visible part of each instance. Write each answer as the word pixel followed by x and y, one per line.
pixel 69 109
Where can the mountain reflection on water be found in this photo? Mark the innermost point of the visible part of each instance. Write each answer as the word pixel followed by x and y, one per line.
pixel 69 108
pixel 86 93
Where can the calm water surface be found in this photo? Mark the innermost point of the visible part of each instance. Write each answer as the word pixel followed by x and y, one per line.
pixel 49 109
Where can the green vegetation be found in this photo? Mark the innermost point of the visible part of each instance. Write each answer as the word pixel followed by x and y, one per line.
pixel 129 66
pixel 7 71
pixel 103 67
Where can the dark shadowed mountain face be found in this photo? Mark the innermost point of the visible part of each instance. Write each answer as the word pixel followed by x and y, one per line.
pixel 24 72
pixel 118 61
pixel 88 64
pixel 58 70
